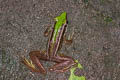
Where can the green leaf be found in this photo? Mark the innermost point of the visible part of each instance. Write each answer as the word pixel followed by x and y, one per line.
pixel 108 19
pixel 73 76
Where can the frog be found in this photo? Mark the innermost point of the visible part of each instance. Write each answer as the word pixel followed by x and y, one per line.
pixel 57 35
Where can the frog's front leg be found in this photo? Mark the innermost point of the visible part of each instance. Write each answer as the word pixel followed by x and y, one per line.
pixel 34 64
pixel 63 63
pixel 47 31
pixel 68 40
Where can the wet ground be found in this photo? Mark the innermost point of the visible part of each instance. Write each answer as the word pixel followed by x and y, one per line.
pixel 96 24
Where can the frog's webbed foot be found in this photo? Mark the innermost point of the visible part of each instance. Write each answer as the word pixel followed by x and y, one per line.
pixel 64 63
pixel 29 64
pixel 34 64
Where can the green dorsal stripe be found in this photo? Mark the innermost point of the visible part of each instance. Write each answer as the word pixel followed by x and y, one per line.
pixel 60 20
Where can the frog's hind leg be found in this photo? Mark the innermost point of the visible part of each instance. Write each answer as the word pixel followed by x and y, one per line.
pixel 34 64
pixel 63 64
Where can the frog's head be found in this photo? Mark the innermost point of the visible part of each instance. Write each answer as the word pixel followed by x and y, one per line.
pixel 61 19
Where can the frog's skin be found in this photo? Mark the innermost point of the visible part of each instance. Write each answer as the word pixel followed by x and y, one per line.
pixel 63 63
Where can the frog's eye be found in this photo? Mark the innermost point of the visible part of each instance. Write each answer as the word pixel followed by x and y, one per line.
pixel 57 18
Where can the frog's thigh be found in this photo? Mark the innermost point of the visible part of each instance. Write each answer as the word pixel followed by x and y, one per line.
pixel 64 64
